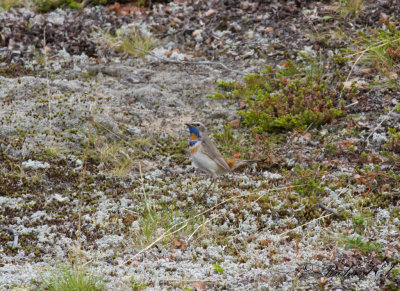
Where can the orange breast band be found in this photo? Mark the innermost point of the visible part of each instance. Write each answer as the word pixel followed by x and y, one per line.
pixel 193 136
pixel 194 149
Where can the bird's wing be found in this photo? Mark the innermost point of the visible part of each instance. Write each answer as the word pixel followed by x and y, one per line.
pixel 209 149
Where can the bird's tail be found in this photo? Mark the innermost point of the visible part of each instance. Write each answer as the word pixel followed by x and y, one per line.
pixel 236 163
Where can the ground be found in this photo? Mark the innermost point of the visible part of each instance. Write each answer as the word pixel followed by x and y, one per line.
pixel 94 168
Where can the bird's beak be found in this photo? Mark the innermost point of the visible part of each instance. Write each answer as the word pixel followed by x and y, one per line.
pixel 187 124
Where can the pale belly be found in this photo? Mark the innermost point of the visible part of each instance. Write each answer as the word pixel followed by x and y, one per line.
pixel 204 163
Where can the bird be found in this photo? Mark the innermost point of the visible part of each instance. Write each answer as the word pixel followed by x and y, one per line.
pixel 206 156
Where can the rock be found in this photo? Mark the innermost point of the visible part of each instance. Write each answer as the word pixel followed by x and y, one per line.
pixel 197 32
pixel 35 165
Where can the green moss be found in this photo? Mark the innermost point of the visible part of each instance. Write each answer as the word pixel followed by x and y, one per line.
pixel 363 245
pixel 393 142
pixel 48 5
pixel 293 97
pixel 14 70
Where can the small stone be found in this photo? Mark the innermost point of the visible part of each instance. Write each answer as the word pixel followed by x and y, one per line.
pixel 210 12
pixel 323 132
pixel 269 30
pixel 197 32
pixel 271 176
pixel 250 34
pixel 30 164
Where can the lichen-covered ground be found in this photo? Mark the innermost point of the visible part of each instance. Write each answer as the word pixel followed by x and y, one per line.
pixel 94 169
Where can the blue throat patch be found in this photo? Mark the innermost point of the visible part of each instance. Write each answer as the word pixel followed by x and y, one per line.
pixel 193 142
pixel 195 131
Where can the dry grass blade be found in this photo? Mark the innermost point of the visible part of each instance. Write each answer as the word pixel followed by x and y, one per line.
pixel 380 123
pixel 316 219
pixel 168 231
pixel 187 62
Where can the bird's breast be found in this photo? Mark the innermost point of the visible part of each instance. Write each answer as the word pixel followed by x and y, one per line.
pixel 194 148
pixel 193 137
pixel 203 162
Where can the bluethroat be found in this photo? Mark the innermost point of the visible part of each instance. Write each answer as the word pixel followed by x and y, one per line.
pixel 205 155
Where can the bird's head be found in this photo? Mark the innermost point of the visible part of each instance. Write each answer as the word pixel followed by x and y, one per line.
pixel 196 130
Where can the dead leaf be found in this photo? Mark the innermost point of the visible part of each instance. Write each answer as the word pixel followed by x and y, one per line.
pixel 180 244
pixel 236 156
pixel 168 54
pixel 264 242
pixel 126 9
pixel 366 71
pixel 307 136
pixel 346 143
pixel 358 83
pixel 388 97
pixel 199 285
pixel 198 54
pixel 323 281
pixel 148 75
pixel 114 7
pixel 236 123
pixel 290 8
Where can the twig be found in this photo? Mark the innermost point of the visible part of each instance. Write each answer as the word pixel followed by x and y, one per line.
pixel 82 179
pixel 352 104
pixel 351 71
pixel 167 232
pixel 380 123
pixel 46 67
pixel 144 191
pixel 382 43
pixel 183 280
pixel 203 224
pixel 379 44
pixel 188 62
pixel 311 124
pixel 319 218
pixel 14 233
pixel 136 213
pixel 158 239
pixel 333 211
